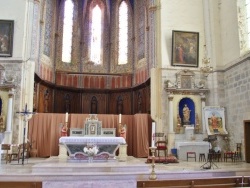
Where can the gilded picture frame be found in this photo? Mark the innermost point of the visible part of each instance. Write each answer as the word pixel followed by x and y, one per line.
pixel 6 38
pixel 185 48
pixel 214 119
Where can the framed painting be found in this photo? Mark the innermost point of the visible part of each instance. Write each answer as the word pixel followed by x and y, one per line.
pixel 185 48
pixel 6 37
pixel 214 119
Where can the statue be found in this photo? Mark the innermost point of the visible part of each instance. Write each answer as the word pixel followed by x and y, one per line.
pixel 123 131
pixel 186 115
pixel 178 128
pixel 197 123
pixel 2 125
pixel 64 130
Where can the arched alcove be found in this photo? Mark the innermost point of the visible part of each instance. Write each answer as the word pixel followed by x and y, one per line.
pixel 189 103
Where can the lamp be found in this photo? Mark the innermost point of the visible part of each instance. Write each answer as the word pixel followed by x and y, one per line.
pixel 206 69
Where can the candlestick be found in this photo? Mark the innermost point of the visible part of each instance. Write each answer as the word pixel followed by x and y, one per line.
pixel 153 174
pixel 66 117
pixel 120 118
pixel 153 135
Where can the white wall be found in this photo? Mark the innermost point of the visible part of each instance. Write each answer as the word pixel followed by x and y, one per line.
pixel 183 15
pixel 229 32
pixel 15 10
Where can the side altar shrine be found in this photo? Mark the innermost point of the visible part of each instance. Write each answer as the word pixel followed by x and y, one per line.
pixel 92 142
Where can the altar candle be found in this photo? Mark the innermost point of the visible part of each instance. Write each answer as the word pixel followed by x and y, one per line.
pixel 153 135
pixel 120 118
pixel 66 117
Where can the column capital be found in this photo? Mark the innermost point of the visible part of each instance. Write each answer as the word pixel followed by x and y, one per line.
pixel 11 92
pixel 203 97
pixel 170 97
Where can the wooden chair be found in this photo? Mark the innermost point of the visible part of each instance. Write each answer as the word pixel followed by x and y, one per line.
pixel 6 147
pixel 238 150
pixel 23 149
pixel 17 154
pixel 161 144
pixel 14 153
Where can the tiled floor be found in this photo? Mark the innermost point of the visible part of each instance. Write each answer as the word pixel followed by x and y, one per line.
pixel 56 172
pixel 182 166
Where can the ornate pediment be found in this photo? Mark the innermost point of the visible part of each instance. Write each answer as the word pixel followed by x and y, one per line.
pixel 185 84
pixel 4 82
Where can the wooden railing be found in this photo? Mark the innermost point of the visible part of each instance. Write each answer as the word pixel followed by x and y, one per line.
pixel 21 184
pixel 232 181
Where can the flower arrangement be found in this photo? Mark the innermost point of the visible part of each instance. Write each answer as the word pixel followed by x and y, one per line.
pixel 90 150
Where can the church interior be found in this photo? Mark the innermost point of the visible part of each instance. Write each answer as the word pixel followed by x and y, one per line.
pixel 148 87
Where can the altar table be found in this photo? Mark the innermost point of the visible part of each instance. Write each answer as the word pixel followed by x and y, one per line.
pixel 198 147
pixel 107 146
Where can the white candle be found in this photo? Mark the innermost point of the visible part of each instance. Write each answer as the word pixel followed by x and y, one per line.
pixel 120 118
pixel 153 135
pixel 66 117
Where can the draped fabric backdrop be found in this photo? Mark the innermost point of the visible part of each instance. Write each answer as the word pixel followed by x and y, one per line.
pixel 44 131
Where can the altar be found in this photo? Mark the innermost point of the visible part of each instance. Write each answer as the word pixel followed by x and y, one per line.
pixel 107 147
pixel 184 147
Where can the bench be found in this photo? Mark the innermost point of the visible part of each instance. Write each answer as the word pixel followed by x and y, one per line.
pixel 232 181
pixel 21 184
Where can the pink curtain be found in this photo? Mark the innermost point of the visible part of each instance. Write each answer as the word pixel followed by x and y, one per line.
pixel 44 131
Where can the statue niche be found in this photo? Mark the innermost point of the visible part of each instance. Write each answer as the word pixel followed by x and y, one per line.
pixel 187 111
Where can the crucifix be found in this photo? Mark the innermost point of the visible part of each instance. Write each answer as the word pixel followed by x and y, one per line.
pixel 25 114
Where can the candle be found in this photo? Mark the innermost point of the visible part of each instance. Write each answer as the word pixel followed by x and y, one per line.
pixel 153 135
pixel 120 118
pixel 66 117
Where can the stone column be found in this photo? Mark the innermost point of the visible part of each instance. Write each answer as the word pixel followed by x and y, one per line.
pixel 123 152
pixel 170 115
pixel 62 151
pixel 10 110
pixel 203 104
pixel 171 133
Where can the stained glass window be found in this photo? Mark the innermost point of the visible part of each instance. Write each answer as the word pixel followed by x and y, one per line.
pixel 96 35
pixel 67 31
pixel 123 34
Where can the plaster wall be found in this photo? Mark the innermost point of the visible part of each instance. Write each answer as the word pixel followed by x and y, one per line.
pixel 17 66
pixel 230 44
pixel 15 10
pixel 182 15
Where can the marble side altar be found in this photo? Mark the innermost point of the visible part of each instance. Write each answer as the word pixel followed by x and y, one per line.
pixel 107 147
pixel 198 147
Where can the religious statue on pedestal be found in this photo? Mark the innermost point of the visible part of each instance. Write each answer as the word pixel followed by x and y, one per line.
pixel 197 124
pixel 123 131
pixel 178 128
pixel 186 115
pixel 2 125
pixel 64 130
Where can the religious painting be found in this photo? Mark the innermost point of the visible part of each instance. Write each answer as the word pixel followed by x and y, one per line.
pixel 6 37
pixel 185 48
pixel 214 118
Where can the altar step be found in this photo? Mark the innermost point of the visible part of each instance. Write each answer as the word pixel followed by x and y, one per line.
pixel 56 165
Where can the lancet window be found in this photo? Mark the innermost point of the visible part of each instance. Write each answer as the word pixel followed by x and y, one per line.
pixel 67 31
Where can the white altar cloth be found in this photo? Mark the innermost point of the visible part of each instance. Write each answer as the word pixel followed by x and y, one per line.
pixel 198 147
pixel 96 140
pixel 107 146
